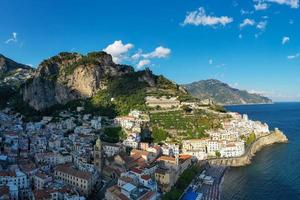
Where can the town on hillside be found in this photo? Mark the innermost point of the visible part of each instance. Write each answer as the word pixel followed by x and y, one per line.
pixel 143 155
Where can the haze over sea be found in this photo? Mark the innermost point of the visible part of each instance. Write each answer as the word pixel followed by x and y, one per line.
pixel 275 171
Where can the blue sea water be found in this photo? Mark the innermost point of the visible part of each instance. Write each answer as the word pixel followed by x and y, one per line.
pixel 275 171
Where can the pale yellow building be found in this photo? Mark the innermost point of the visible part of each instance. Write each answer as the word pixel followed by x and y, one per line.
pixel 81 180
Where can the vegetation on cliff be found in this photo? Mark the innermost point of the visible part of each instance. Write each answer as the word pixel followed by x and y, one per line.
pixel 181 125
pixel 113 135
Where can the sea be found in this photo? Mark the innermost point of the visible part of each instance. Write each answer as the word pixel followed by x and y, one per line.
pixel 275 171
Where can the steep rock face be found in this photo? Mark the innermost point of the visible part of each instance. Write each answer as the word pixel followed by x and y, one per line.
pixel 70 76
pixel 222 93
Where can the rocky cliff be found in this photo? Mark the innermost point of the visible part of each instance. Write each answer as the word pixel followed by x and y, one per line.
pixel 70 76
pixel 272 138
pixel 222 93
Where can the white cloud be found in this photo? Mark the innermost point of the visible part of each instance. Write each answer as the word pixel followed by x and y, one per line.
pixel 246 12
pixel 247 22
pixel 291 3
pixel 262 25
pixel 143 59
pixel 159 52
pixel 13 38
pixel 122 52
pixel 199 17
pixel 261 6
pixel 143 63
pixel 285 40
pixel 118 50
pixel 257 92
pixel 210 61
pixel 290 57
pixel 137 55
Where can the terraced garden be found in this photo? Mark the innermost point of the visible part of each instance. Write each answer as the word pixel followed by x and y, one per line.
pixel 181 125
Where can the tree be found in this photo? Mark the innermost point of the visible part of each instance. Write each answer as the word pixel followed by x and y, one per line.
pixel 218 154
pixel 159 134
pixel 251 139
pixel 113 134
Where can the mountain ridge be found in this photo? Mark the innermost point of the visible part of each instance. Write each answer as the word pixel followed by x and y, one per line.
pixel 222 93
pixel 8 65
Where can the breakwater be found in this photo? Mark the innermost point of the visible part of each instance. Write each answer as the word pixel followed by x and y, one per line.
pixel 274 137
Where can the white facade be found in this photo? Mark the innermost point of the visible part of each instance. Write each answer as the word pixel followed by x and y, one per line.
pixel 233 149
pixel 111 149
pixel 17 181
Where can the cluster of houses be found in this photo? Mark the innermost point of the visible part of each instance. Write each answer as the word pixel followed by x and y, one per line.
pixel 63 158
pixel 132 125
pixel 146 173
pixel 228 141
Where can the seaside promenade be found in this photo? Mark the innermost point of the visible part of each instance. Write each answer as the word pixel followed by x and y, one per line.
pixel 206 186
pixel 212 192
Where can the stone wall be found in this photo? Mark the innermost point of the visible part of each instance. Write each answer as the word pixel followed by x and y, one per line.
pixel 272 138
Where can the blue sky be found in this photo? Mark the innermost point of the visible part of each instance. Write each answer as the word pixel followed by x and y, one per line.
pixel 253 45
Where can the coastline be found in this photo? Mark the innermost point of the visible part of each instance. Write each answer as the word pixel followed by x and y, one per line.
pixel 274 137
pixel 264 141
pixel 248 104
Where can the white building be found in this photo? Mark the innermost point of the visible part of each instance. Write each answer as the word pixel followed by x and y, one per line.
pixel 131 141
pixel 52 158
pixel 40 180
pixel 125 122
pixel 96 123
pixel 110 149
pixel 233 149
pixel 17 182
pixel 213 146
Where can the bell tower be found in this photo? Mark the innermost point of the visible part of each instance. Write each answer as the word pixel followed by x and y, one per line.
pixel 98 155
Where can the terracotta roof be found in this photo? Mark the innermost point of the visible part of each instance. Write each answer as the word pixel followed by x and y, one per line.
pixel 42 175
pixel 166 158
pixel 146 177
pixel 148 195
pixel 116 191
pixel 136 170
pixel 4 190
pixel 41 194
pixel 231 145
pixel 5 173
pixel 184 157
pixel 141 152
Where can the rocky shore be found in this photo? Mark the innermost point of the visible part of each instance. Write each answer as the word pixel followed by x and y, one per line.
pixel 274 137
